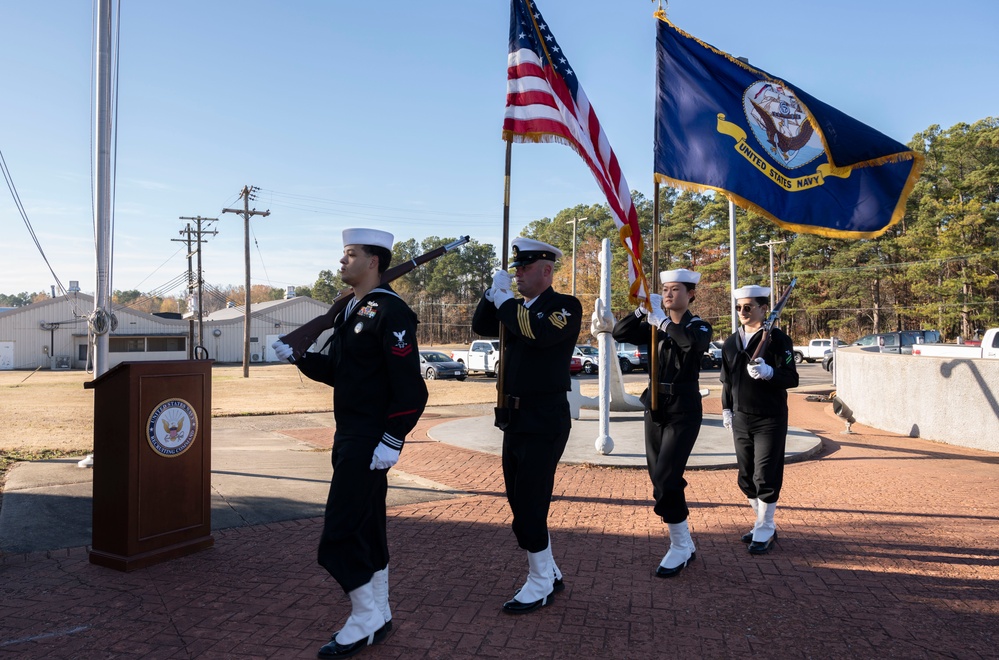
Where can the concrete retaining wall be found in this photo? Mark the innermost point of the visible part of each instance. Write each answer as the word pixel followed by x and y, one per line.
pixel 945 399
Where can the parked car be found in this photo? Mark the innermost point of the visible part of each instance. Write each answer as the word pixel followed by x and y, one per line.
pixel 889 342
pixel 987 348
pixel 435 364
pixel 483 355
pixel 814 351
pixel 898 342
pixel 575 365
pixel 712 357
pixel 590 357
pixel 633 357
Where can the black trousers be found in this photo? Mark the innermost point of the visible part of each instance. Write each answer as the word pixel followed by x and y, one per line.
pixel 669 439
pixel 759 448
pixel 529 464
pixel 353 545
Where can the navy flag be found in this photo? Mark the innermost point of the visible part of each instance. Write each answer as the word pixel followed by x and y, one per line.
pixel 724 125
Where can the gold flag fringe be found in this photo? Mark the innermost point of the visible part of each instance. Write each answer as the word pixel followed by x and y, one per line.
pixel 625 231
pixel 825 232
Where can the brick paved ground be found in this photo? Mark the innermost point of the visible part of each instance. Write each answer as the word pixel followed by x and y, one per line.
pixel 888 549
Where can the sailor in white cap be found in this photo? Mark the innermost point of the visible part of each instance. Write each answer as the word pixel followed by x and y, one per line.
pixel 754 403
pixel 540 333
pixel 373 365
pixel 671 429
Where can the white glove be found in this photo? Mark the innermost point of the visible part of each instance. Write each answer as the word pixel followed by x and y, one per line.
pixel 282 350
pixel 502 279
pixel 727 419
pixel 384 457
pixel 488 295
pixel 657 316
pixel 760 370
pixel 502 282
pixel 640 311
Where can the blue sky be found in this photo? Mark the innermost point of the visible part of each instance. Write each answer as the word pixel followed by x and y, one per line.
pixel 389 115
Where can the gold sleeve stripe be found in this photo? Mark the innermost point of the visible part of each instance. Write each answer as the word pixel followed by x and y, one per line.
pixel 524 319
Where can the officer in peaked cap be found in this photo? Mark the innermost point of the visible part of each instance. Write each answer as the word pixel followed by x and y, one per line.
pixel 540 332
pixel 671 429
pixel 528 250
pixel 754 407
pixel 373 366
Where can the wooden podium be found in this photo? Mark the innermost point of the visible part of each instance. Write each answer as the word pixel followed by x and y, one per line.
pixel 152 462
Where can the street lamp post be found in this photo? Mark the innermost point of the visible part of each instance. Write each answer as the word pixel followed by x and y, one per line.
pixel 573 223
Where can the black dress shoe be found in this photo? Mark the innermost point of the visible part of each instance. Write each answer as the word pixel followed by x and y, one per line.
pixel 558 585
pixel 663 572
pixel 514 606
pixel 747 537
pixel 335 649
pixel 762 547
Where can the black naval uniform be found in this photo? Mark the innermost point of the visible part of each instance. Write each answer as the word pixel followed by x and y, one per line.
pixel 670 431
pixel 759 411
pixel 373 366
pixel 538 345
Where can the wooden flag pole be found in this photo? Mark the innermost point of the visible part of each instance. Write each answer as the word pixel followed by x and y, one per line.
pixel 501 370
pixel 654 339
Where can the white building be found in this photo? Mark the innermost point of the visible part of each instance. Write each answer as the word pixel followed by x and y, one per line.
pixel 53 333
pixel 268 321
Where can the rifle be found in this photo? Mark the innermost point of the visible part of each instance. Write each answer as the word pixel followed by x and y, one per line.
pixel 771 319
pixel 304 336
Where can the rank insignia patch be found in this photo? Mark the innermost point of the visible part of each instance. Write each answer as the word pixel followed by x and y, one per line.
pixel 560 319
pixel 402 348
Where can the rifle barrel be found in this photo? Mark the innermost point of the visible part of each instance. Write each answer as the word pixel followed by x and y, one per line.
pixel 302 337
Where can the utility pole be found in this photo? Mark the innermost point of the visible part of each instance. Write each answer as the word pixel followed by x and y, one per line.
pixel 573 223
pixel 245 193
pixel 771 245
pixel 201 232
pixel 190 283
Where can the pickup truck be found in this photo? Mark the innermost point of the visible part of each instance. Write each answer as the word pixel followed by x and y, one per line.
pixel 815 350
pixel 482 356
pixel 988 349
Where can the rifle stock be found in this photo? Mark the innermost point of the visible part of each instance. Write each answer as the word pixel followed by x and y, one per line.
pixel 304 336
pixel 772 318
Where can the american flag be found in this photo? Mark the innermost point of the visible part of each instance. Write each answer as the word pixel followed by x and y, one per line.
pixel 545 103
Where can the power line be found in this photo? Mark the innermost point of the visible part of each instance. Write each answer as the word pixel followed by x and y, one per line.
pixel 901 264
pixel 361 211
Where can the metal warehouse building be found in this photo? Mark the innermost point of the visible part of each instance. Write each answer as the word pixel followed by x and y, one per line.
pixel 53 333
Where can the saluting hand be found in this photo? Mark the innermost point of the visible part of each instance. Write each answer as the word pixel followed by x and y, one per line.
pixel 502 283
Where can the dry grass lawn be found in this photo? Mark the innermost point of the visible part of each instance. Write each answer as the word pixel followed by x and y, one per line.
pixel 52 410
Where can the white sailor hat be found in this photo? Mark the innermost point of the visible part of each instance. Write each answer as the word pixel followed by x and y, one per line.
pixel 751 291
pixel 376 237
pixel 527 251
pixel 679 275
